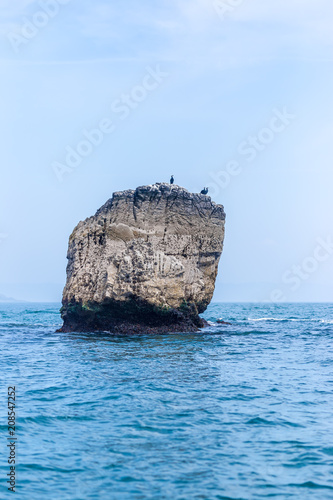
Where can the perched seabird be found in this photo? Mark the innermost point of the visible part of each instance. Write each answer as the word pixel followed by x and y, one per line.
pixel 204 191
pixel 172 180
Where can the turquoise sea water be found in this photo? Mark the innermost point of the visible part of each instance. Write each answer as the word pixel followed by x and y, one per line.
pixel 233 412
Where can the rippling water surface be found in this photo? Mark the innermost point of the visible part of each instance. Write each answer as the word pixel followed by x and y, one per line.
pixel 233 412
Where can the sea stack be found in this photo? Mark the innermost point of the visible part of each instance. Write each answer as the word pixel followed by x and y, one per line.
pixel 146 262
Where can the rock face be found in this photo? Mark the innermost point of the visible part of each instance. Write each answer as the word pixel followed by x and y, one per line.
pixel 147 261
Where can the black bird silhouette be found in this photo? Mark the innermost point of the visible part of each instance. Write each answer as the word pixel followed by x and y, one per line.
pixel 204 191
pixel 172 180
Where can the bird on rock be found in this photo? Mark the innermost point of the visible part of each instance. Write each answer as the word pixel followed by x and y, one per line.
pixel 172 180
pixel 204 191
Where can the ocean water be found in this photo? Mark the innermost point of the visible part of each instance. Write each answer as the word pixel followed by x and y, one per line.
pixel 232 412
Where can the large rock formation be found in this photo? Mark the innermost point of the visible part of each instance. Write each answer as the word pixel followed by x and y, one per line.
pixel 147 261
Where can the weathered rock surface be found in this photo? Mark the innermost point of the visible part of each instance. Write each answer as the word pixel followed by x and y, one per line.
pixel 147 261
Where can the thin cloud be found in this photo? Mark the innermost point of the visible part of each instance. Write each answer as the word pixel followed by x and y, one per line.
pixel 186 31
pixel 10 9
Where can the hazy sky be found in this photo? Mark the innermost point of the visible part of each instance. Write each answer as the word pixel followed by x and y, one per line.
pixel 235 95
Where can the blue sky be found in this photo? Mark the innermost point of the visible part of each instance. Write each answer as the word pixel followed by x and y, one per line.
pixel 226 73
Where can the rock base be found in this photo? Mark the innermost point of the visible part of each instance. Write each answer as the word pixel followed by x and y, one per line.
pixel 132 317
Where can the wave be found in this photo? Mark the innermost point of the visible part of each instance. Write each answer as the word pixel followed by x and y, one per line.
pixel 29 325
pixel 239 322
pixel 329 321
pixel 40 311
pixel 269 319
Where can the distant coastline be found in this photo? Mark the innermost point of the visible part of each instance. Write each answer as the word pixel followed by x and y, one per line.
pixel 4 298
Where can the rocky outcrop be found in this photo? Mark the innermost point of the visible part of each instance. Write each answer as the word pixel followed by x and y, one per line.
pixel 147 261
